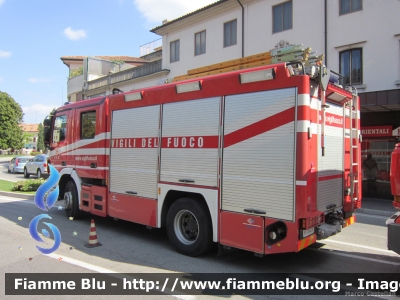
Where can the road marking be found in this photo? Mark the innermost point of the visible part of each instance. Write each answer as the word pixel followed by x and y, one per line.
pixel 357 257
pixel 4 199
pixel 98 269
pixel 371 216
pixel 358 246
pixel 81 264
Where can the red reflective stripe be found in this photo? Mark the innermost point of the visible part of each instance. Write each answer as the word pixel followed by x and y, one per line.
pixel 184 142
pixel 207 142
pixel 142 142
pixel 259 127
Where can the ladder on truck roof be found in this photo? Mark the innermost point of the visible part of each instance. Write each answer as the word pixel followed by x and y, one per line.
pixel 354 147
pixel 283 52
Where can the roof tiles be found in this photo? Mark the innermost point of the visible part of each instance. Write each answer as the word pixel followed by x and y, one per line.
pixel 29 127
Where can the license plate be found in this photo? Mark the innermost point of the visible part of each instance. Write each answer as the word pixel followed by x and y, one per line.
pixel 307 232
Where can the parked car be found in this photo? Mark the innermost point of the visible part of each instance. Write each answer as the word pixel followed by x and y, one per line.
pixel 17 164
pixel 37 166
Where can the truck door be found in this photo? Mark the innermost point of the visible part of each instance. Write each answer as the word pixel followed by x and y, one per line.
pixel 134 153
pixel 189 153
pixel 259 153
pixel 331 165
pixel 88 156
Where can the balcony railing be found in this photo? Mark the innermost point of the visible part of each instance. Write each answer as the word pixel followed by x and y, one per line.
pixel 75 84
pixel 150 47
pixel 143 70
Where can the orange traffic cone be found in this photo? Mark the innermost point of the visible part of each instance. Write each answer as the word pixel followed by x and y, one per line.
pixel 92 236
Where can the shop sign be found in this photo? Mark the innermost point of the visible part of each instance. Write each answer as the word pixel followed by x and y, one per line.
pixel 376 131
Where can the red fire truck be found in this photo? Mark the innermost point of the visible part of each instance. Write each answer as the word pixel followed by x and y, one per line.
pixel 265 159
pixel 393 222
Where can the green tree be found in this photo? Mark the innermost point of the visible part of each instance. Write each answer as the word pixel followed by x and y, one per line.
pixel 27 137
pixel 75 72
pixel 11 115
pixel 40 140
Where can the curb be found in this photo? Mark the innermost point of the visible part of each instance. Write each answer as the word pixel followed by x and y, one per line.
pixel 375 212
pixel 17 195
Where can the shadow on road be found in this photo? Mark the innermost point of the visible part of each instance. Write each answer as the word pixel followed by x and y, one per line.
pixel 134 244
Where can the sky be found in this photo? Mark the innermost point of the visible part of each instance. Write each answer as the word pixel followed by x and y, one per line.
pixel 35 34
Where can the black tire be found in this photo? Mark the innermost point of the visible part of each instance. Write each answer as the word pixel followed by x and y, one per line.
pixel 39 173
pixel 71 201
pixel 26 174
pixel 189 227
pixel 8 170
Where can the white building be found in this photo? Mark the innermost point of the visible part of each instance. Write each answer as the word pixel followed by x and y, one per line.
pixel 360 39
pixel 333 28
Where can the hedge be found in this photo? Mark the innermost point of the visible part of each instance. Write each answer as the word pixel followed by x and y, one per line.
pixel 28 185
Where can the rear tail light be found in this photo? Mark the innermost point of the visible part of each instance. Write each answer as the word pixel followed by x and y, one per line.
pixel 45 165
pixel 16 162
pixel 312 221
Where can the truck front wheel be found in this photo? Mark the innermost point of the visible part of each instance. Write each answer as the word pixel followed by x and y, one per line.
pixel 71 200
pixel 189 227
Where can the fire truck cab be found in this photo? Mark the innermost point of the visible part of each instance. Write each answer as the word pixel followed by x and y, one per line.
pixel 263 159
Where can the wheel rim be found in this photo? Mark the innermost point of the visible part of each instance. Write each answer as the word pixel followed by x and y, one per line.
pixel 39 174
pixel 68 200
pixel 186 227
pixel 25 172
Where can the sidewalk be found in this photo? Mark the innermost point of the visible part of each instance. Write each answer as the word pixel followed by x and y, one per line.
pixel 5 159
pixel 377 207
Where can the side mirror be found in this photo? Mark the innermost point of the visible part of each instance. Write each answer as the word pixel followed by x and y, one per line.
pixel 47 123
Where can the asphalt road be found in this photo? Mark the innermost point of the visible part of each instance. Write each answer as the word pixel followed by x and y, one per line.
pixel 9 176
pixel 131 248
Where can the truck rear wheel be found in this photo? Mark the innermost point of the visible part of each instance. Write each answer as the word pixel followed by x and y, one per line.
pixel 189 227
pixel 71 201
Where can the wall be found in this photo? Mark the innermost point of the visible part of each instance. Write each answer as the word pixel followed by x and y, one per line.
pixel 308 20
pixel 215 52
pixel 376 26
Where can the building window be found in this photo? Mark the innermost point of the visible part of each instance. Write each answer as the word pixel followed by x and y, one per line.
pixel 230 32
pixel 200 43
pixel 351 66
pixel 348 6
pixel 282 17
pixel 88 125
pixel 174 51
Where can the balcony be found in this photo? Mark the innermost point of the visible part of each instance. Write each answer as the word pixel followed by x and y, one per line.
pixel 129 74
pixel 75 85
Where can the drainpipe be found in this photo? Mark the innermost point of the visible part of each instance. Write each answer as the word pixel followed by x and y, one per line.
pixel 243 27
pixel 326 33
